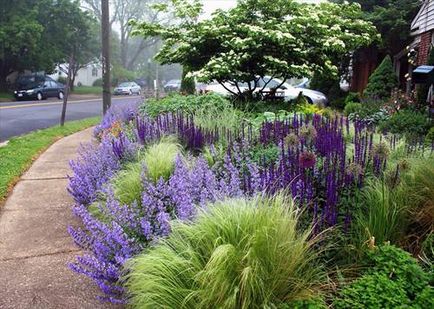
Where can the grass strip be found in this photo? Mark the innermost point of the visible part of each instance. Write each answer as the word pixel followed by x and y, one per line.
pixel 17 156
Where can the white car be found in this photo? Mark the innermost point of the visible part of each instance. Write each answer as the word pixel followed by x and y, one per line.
pixel 287 91
pixel 128 88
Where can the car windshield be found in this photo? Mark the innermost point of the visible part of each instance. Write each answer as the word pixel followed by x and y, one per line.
pixel 125 85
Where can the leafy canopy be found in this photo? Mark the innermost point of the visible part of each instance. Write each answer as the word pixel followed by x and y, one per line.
pixel 281 38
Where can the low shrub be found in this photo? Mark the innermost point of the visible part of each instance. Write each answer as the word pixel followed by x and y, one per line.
pixel 371 112
pixel 97 83
pixel 238 254
pixel 338 103
pixel 392 279
pixel 352 97
pixel 177 103
pixel 382 81
pixel 407 122
pixel 352 108
pixel 62 80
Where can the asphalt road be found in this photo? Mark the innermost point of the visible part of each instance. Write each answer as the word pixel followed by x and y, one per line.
pixel 17 118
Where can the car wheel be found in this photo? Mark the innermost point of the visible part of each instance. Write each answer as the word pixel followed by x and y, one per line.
pixel 39 96
pixel 309 100
pixel 139 92
pixel 60 95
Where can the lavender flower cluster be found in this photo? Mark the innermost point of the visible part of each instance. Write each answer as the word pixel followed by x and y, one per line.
pixel 124 230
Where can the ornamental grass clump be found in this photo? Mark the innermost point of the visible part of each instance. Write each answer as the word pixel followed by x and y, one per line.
pixel 238 253
pixel 159 158
pixel 127 184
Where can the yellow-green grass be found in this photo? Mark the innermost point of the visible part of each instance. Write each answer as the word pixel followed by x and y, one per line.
pixel 87 90
pixel 19 153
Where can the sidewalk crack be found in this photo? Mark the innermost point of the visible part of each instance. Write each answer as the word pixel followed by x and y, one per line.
pixel 40 255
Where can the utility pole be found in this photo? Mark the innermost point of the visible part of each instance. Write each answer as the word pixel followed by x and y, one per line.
pixel 105 34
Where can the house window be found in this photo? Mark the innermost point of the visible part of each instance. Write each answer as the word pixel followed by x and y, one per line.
pixel 95 72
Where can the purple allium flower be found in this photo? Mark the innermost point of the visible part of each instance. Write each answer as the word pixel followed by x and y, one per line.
pixel 307 159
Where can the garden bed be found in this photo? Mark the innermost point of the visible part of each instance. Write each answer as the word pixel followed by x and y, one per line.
pixel 187 202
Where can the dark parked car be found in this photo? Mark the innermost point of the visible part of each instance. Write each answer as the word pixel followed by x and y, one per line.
pixel 38 87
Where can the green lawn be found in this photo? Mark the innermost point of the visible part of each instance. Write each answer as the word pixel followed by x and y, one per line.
pixel 6 96
pixel 87 90
pixel 17 156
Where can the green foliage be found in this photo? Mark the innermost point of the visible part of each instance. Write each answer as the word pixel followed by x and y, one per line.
pixel 392 18
pixel 127 184
pixel 370 111
pixel 382 81
pixel 265 154
pixel 237 254
pixel 352 97
pixel 210 111
pixel 120 74
pixel 429 138
pixel 62 80
pixel 425 299
pixel 351 108
pixel 338 103
pixel 406 122
pixel 392 279
pixel 372 291
pixel 97 83
pixel 330 85
pixel 159 158
pixel 189 104
pixel 19 153
pixel 231 45
pixel 312 303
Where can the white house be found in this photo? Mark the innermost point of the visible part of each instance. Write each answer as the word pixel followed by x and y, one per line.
pixel 85 76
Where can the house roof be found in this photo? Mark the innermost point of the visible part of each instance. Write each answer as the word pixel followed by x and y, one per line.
pixel 424 20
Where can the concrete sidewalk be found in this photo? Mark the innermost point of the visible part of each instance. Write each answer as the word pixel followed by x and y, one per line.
pixel 35 246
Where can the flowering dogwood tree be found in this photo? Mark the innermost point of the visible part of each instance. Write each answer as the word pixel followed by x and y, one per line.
pixel 280 38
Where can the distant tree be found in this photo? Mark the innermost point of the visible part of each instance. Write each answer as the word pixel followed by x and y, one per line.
pixel 280 38
pixel 392 18
pixel 122 12
pixel 382 81
pixel 38 35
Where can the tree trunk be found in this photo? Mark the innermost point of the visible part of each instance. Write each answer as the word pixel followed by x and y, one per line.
pixel 67 90
pixel 4 72
pixel 187 84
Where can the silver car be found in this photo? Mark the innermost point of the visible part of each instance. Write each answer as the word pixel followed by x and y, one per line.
pixel 128 88
pixel 287 91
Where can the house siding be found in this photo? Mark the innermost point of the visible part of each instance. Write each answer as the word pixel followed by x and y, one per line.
pixel 424 20
pixel 424 47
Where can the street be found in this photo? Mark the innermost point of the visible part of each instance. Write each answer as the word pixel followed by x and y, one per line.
pixel 17 118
